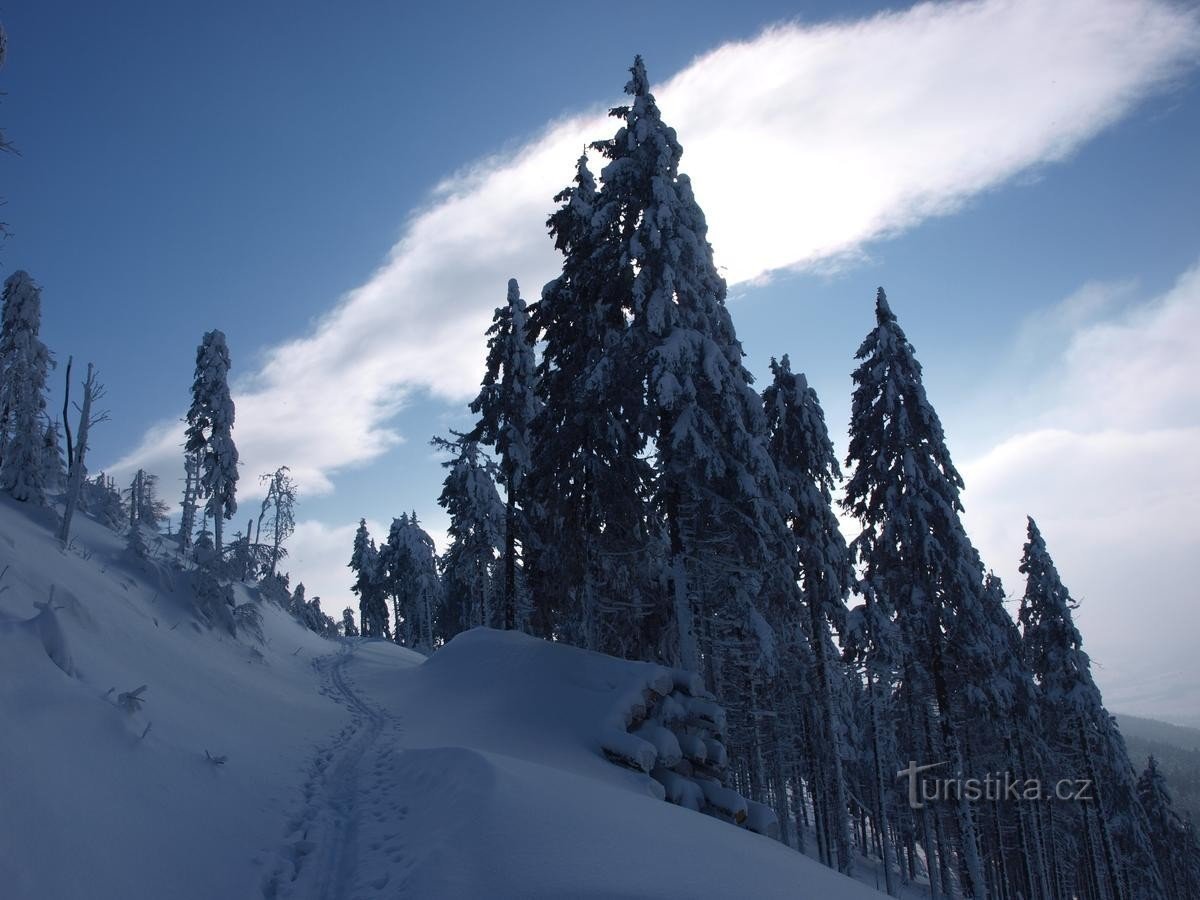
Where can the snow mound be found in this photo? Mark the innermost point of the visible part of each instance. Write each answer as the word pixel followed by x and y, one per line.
pixel 507 791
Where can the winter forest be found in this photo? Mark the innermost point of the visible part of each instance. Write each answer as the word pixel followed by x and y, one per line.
pixel 820 628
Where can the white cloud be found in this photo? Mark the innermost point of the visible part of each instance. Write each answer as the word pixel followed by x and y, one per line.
pixel 804 143
pixel 1114 488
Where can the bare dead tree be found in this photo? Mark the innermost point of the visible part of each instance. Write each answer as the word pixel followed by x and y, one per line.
pixel 93 391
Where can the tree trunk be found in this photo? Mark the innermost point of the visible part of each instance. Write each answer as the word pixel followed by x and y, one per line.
pixel 881 797
pixel 510 558
pixel 75 482
pixel 689 654
pixel 218 520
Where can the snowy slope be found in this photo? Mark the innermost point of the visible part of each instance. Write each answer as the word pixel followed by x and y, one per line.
pixel 353 769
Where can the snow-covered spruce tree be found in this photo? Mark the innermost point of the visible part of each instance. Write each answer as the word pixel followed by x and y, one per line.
pixel 1174 843
pixel 594 566
pixel 914 551
pixel 1083 734
pixel 349 629
pixel 714 483
pixel 368 584
pixel 279 512
pixel 409 562
pixel 313 618
pixel 135 542
pixel 799 444
pixel 477 528
pixel 24 367
pixel 298 604
pixel 210 432
pixel 506 406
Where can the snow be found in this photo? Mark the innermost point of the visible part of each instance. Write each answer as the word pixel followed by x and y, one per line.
pixel 350 769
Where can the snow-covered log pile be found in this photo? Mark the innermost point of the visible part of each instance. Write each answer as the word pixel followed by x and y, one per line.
pixel 672 729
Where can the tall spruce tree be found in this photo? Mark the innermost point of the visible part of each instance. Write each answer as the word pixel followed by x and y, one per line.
pixel 1082 734
pixel 24 367
pixel 803 454
pixel 409 567
pixel 914 551
pixel 372 597
pixel 210 432
pixel 594 566
pixel 714 481
pixel 477 529
pixel 506 406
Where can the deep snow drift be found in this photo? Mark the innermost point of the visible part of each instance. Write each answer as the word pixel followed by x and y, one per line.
pixel 352 769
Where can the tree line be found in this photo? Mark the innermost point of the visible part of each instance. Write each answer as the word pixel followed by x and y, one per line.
pixel 626 489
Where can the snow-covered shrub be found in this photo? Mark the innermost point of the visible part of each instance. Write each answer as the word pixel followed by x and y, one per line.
pixel 100 498
pixel 213 599
pixel 673 729
pixel 248 620
pixel 45 626
pixel 275 589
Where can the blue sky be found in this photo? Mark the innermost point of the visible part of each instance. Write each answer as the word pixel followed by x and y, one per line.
pixel 345 188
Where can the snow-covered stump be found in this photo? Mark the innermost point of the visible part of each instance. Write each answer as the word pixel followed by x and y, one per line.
pixel 672 729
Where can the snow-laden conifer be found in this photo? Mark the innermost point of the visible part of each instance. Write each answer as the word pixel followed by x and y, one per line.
pixel 1083 735
pixel 24 367
pixel 368 584
pixel 594 564
pixel 409 563
pixel 477 528
pixel 714 481
pixel 506 406
pixel 915 554
pixel 799 444
pixel 210 432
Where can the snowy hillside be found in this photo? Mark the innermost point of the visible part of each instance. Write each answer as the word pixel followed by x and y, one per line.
pixel 300 767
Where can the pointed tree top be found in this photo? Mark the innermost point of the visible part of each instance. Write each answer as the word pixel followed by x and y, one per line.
pixel 1035 536
pixel 18 277
pixel 639 84
pixel 514 291
pixel 883 312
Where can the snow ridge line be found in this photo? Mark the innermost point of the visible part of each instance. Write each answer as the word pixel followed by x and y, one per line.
pixel 321 856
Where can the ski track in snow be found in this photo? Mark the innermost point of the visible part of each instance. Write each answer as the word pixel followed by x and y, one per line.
pixel 344 842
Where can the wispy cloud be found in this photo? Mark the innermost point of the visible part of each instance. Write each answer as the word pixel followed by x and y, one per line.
pixel 804 144
pixel 1110 475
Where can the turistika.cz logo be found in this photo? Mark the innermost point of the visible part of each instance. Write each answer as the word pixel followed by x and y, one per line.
pixel 992 787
